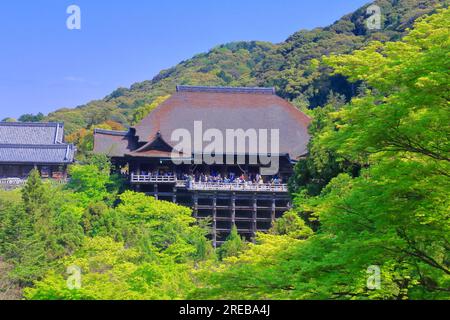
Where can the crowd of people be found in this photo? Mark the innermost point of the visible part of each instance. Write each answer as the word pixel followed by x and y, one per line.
pixel 231 178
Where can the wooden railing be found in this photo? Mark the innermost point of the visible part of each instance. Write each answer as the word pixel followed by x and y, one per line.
pixel 17 182
pixel 12 181
pixel 140 178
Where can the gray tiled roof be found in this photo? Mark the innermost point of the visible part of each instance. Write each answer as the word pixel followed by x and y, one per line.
pixel 37 154
pixel 31 133
pixel 34 143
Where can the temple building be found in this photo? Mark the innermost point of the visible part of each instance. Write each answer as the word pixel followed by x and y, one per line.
pixel 25 146
pixel 225 152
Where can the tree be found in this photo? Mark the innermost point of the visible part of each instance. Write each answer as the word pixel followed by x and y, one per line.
pixel 158 226
pixel 90 183
pixel 257 273
pixel 292 225
pixel 233 246
pixel 37 229
pixel 111 271
pixel 153 254
pixel 314 172
pixel 9 120
pixel 33 193
pixel 393 215
pixel 32 118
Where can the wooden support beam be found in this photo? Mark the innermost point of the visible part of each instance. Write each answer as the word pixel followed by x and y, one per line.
pixel 274 209
pixel 214 235
pixel 196 205
pixel 174 197
pixel 255 214
pixel 233 209
pixel 289 205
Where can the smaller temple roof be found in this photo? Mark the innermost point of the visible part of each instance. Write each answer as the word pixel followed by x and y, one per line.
pixel 38 154
pixel 114 143
pixel 157 148
pixel 31 133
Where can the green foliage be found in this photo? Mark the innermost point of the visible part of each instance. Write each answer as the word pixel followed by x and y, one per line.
pixel 111 271
pixel 233 246
pixel 38 229
pixel 32 118
pixel 255 274
pixel 33 194
pixel 9 120
pixel 91 183
pixel 153 259
pixel 313 173
pixel 292 225
pixel 140 249
pixel 157 226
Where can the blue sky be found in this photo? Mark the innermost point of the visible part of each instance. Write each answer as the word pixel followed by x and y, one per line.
pixel 44 66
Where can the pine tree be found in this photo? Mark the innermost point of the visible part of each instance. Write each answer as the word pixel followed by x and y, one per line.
pixel 233 246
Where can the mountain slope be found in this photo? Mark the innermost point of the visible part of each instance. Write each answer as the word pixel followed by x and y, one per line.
pixel 288 66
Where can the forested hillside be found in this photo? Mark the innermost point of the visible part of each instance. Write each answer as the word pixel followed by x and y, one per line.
pixel 288 66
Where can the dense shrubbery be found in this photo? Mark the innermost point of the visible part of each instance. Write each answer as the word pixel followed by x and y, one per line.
pixel 128 246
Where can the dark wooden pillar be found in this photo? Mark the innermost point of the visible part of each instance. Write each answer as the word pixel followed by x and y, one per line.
pixel 289 205
pixel 255 215
pixel 155 190
pixel 214 235
pixel 138 169
pixel 196 205
pixel 233 209
pixel 274 208
pixel 174 196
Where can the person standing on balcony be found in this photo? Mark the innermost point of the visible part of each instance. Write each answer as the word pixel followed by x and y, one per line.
pixel 261 180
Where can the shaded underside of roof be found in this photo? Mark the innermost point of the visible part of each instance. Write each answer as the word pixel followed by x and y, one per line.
pixel 31 133
pixel 229 108
pixel 37 154
pixel 114 143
